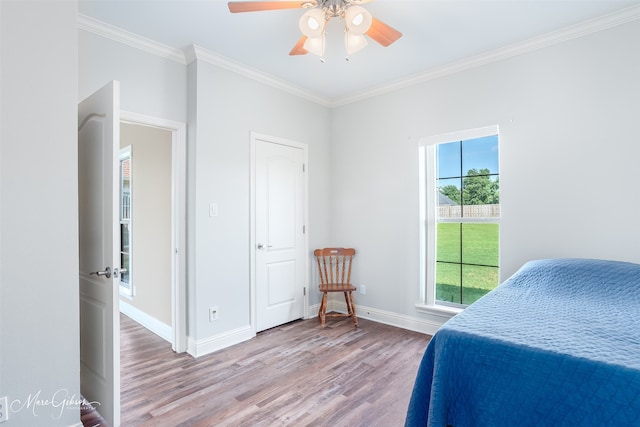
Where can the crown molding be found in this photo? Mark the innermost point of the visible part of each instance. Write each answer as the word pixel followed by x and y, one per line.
pixel 195 52
pixel 568 33
pixel 192 53
pixel 117 34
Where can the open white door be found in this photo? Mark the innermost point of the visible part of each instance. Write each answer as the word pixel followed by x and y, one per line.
pixel 279 233
pixel 98 149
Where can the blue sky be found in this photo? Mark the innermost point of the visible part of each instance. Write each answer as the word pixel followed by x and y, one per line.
pixel 479 153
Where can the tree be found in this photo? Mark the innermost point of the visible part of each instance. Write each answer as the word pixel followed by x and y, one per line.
pixel 477 189
pixel 452 192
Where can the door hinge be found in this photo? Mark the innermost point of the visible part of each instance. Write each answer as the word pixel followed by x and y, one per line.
pixel 303 168
pixel 305 291
pixel 304 229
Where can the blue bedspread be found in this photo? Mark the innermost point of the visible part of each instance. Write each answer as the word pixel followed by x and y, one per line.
pixel 557 344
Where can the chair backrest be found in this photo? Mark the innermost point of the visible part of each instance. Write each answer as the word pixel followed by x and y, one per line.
pixel 334 265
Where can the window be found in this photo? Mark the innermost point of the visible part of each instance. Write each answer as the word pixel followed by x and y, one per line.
pixel 125 222
pixel 461 212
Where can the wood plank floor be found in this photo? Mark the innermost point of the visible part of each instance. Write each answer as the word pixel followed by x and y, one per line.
pixel 296 374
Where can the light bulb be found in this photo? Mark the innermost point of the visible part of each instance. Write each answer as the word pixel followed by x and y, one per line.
pixel 315 45
pixel 358 20
pixel 354 42
pixel 312 23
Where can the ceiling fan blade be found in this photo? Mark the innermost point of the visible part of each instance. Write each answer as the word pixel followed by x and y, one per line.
pixel 257 6
pixel 299 49
pixel 382 33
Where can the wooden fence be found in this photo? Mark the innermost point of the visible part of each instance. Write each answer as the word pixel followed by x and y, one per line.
pixel 470 211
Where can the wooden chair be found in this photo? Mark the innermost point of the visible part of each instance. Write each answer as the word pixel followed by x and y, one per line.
pixel 334 266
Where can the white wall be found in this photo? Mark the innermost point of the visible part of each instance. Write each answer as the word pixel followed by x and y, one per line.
pixel 568 157
pixel 225 107
pixel 149 84
pixel 150 219
pixel 222 109
pixel 565 114
pixel 39 315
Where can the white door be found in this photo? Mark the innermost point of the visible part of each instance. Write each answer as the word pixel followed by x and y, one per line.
pixel 98 149
pixel 279 234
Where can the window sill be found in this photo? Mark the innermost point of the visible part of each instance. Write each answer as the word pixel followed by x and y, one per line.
pixel 438 310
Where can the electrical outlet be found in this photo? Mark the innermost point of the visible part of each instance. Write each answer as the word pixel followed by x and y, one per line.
pixel 363 290
pixel 4 410
pixel 213 314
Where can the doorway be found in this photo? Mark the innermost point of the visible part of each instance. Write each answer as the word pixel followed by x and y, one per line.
pixel 279 237
pixel 154 294
pixel 100 251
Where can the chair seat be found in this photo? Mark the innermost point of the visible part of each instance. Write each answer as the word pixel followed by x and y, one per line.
pixel 338 287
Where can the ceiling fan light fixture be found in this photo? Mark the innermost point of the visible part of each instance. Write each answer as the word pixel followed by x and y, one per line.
pixel 357 20
pixel 354 42
pixel 312 23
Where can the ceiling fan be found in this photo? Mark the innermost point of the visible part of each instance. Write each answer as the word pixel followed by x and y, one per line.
pixel 358 23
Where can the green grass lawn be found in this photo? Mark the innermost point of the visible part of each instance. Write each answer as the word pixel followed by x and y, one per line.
pixel 478 245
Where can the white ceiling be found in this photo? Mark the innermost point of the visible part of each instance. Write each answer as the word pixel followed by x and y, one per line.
pixel 435 33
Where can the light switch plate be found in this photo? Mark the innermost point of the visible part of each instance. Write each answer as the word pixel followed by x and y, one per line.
pixel 213 209
pixel 213 314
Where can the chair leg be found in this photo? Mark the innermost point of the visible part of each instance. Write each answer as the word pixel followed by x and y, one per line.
pixel 346 299
pixel 353 310
pixel 323 310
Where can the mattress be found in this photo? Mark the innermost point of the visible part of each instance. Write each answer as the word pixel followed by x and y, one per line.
pixel 557 344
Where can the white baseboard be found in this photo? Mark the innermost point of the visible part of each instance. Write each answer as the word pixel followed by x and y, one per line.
pixel 388 318
pixel 159 328
pixel 218 342
pixel 313 311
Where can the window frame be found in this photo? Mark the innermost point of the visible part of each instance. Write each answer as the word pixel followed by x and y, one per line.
pixel 126 153
pixel 428 216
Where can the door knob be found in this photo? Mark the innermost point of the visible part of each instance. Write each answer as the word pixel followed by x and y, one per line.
pixel 122 272
pixel 106 273
pixel 262 246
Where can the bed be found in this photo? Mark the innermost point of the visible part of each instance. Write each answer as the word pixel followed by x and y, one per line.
pixel 556 344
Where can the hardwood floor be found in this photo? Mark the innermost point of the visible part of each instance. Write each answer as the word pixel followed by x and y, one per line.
pixel 90 417
pixel 296 374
